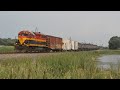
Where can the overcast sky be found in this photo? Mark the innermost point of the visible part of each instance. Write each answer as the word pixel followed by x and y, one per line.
pixel 95 27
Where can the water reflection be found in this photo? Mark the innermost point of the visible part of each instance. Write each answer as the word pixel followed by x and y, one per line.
pixel 109 61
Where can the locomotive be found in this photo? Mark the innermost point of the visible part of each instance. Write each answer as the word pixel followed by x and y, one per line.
pixel 37 42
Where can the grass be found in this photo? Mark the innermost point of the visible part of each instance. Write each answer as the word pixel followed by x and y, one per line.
pixel 4 49
pixel 67 65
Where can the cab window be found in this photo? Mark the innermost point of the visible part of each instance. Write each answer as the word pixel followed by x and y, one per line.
pixel 23 34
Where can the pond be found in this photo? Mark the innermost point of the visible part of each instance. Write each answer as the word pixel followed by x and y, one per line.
pixel 109 61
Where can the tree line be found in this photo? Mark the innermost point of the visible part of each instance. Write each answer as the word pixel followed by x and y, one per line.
pixel 7 41
pixel 114 42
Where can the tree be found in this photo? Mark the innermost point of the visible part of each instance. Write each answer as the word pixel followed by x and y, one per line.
pixel 114 42
pixel 7 42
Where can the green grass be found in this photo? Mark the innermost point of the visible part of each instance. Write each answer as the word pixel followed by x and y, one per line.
pixel 67 65
pixel 4 49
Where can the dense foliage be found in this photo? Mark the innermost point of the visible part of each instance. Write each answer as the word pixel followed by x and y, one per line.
pixel 7 41
pixel 114 42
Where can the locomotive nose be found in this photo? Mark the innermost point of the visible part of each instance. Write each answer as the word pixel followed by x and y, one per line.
pixel 21 40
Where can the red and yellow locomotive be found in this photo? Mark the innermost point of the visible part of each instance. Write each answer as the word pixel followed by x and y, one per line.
pixel 35 41
pixel 31 41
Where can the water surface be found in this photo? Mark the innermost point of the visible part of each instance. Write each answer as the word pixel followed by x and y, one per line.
pixel 108 61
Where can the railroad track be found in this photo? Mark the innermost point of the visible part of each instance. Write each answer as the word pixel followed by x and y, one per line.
pixel 7 52
pixel 28 52
pixel 23 52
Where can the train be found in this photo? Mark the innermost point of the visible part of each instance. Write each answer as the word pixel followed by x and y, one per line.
pixel 29 41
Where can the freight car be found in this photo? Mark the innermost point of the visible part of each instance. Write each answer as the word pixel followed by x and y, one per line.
pixel 69 45
pixel 87 47
pixel 54 43
pixel 76 46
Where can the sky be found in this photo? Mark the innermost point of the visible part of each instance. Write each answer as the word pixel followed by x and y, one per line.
pixel 95 27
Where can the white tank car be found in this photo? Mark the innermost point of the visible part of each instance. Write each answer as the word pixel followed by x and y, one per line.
pixel 67 45
pixel 76 45
pixel 73 44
